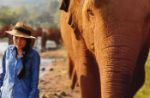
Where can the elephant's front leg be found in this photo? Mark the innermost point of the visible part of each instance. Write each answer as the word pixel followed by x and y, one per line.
pixel 86 69
pixel 83 62
pixel 43 41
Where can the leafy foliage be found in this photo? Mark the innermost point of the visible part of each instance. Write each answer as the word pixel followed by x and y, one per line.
pixel 7 15
pixel 144 92
pixel 47 15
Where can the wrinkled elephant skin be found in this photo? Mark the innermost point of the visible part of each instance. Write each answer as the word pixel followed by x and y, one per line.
pixel 107 42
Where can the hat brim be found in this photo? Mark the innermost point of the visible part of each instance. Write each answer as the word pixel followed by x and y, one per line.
pixel 19 34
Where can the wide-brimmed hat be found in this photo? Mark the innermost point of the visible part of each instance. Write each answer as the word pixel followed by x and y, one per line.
pixel 22 30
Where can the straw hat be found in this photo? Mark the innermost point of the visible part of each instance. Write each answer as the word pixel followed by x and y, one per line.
pixel 21 30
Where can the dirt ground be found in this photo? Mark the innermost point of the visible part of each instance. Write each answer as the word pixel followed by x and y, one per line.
pixel 55 83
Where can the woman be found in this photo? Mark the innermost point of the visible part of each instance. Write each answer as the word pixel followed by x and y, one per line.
pixel 20 75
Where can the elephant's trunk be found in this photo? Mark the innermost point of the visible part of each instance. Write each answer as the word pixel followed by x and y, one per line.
pixel 117 61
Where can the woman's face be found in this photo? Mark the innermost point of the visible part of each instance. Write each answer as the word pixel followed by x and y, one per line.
pixel 19 42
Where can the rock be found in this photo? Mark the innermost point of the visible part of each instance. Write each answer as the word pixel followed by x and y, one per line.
pixel 43 69
pixel 51 69
pixel 63 93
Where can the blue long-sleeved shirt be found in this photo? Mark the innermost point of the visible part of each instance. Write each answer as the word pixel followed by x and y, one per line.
pixel 11 86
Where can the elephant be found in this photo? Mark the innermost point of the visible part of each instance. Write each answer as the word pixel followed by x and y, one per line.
pixel 50 34
pixel 38 32
pixel 3 34
pixel 107 43
pixel 3 29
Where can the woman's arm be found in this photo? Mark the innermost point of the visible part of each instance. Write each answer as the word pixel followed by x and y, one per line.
pixel 3 70
pixel 35 76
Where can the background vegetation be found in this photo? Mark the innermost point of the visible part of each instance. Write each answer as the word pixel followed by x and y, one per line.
pixel 144 92
pixel 42 13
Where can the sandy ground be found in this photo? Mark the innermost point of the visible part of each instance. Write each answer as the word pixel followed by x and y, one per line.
pixel 55 83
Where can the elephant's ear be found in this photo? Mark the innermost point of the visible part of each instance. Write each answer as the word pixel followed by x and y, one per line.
pixel 74 26
pixel 65 5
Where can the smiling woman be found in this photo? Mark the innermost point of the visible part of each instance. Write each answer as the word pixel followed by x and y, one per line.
pixel 20 65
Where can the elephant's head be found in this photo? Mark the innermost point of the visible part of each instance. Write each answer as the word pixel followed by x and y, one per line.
pixel 117 32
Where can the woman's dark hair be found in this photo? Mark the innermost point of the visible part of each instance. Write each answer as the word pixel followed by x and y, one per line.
pixel 26 50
